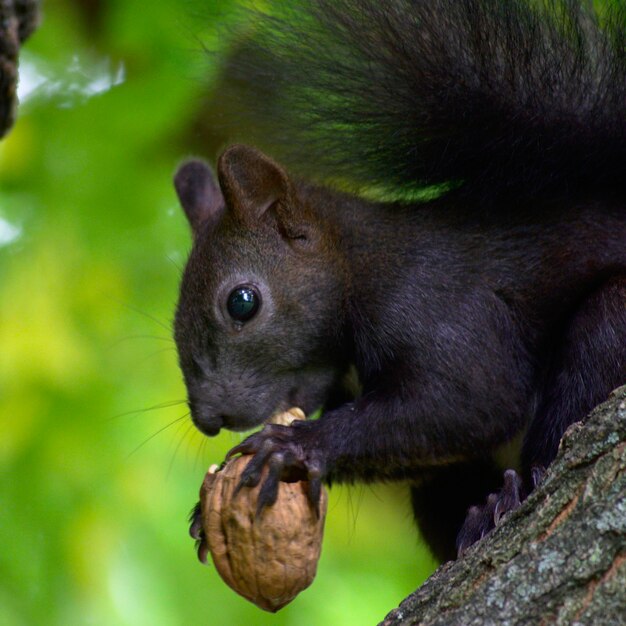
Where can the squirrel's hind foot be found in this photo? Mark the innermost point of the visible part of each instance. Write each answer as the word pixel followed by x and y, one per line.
pixel 480 520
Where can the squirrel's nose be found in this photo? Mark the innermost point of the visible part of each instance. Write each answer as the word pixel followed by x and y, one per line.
pixel 204 419
pixel 209 426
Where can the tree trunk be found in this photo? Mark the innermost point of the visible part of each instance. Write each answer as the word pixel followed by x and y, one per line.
pixel 18 19
pixel 560 558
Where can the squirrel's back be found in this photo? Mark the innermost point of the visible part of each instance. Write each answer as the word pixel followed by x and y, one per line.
pixel 494 97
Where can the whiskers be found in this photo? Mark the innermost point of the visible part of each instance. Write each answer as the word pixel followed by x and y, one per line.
pixel 122 340
pixel 155 407
pixel 182 433
pixel 166 341
pixel 167 326
pixel 158 432
pixel 162 424
pixel 181 438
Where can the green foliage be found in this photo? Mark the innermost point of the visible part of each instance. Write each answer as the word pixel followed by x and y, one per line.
pixel 96 483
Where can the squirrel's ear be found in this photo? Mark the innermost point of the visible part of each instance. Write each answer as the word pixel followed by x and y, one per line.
pixel 251 181
pixel 199 194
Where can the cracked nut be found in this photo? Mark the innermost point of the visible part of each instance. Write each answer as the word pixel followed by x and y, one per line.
pixel 268 558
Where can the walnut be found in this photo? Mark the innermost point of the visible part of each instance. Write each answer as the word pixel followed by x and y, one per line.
pixel 268 558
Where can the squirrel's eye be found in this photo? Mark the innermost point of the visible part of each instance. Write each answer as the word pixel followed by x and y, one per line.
pixel 243 303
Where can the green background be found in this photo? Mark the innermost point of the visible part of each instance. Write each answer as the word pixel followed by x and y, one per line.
pixel 100 463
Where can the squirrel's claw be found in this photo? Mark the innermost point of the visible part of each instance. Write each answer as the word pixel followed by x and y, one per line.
pixel 197 532
pixel 289 456
pixel 269 490
pixel 480 520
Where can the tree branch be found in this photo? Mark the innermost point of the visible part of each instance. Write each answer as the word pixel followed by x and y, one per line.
pixel 560 558
pixel 18 19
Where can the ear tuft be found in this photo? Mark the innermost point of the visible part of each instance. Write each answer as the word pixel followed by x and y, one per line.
pixel 199 194
pixel 251 181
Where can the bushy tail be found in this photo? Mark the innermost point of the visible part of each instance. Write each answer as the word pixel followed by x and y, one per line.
pixel 496 96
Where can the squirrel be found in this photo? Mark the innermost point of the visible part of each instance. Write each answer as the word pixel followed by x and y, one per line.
pixel 480 297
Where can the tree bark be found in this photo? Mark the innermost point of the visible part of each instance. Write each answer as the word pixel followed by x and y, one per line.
pixel 18 19
pixel 558 559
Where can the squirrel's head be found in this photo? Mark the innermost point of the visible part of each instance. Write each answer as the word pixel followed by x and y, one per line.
pixel 258 322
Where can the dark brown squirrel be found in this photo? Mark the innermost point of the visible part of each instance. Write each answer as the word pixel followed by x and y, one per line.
pixel 493 312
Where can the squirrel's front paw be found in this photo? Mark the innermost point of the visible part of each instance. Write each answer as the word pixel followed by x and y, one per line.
pixel 289 453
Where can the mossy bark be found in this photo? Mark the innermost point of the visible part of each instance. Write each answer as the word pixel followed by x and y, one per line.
pixel 560 558
pixel 18 19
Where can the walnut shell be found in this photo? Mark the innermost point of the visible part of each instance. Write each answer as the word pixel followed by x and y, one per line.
pixel 267 559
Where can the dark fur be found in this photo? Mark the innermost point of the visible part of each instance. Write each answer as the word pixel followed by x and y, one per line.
pixel 504 96
pixel 497 308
